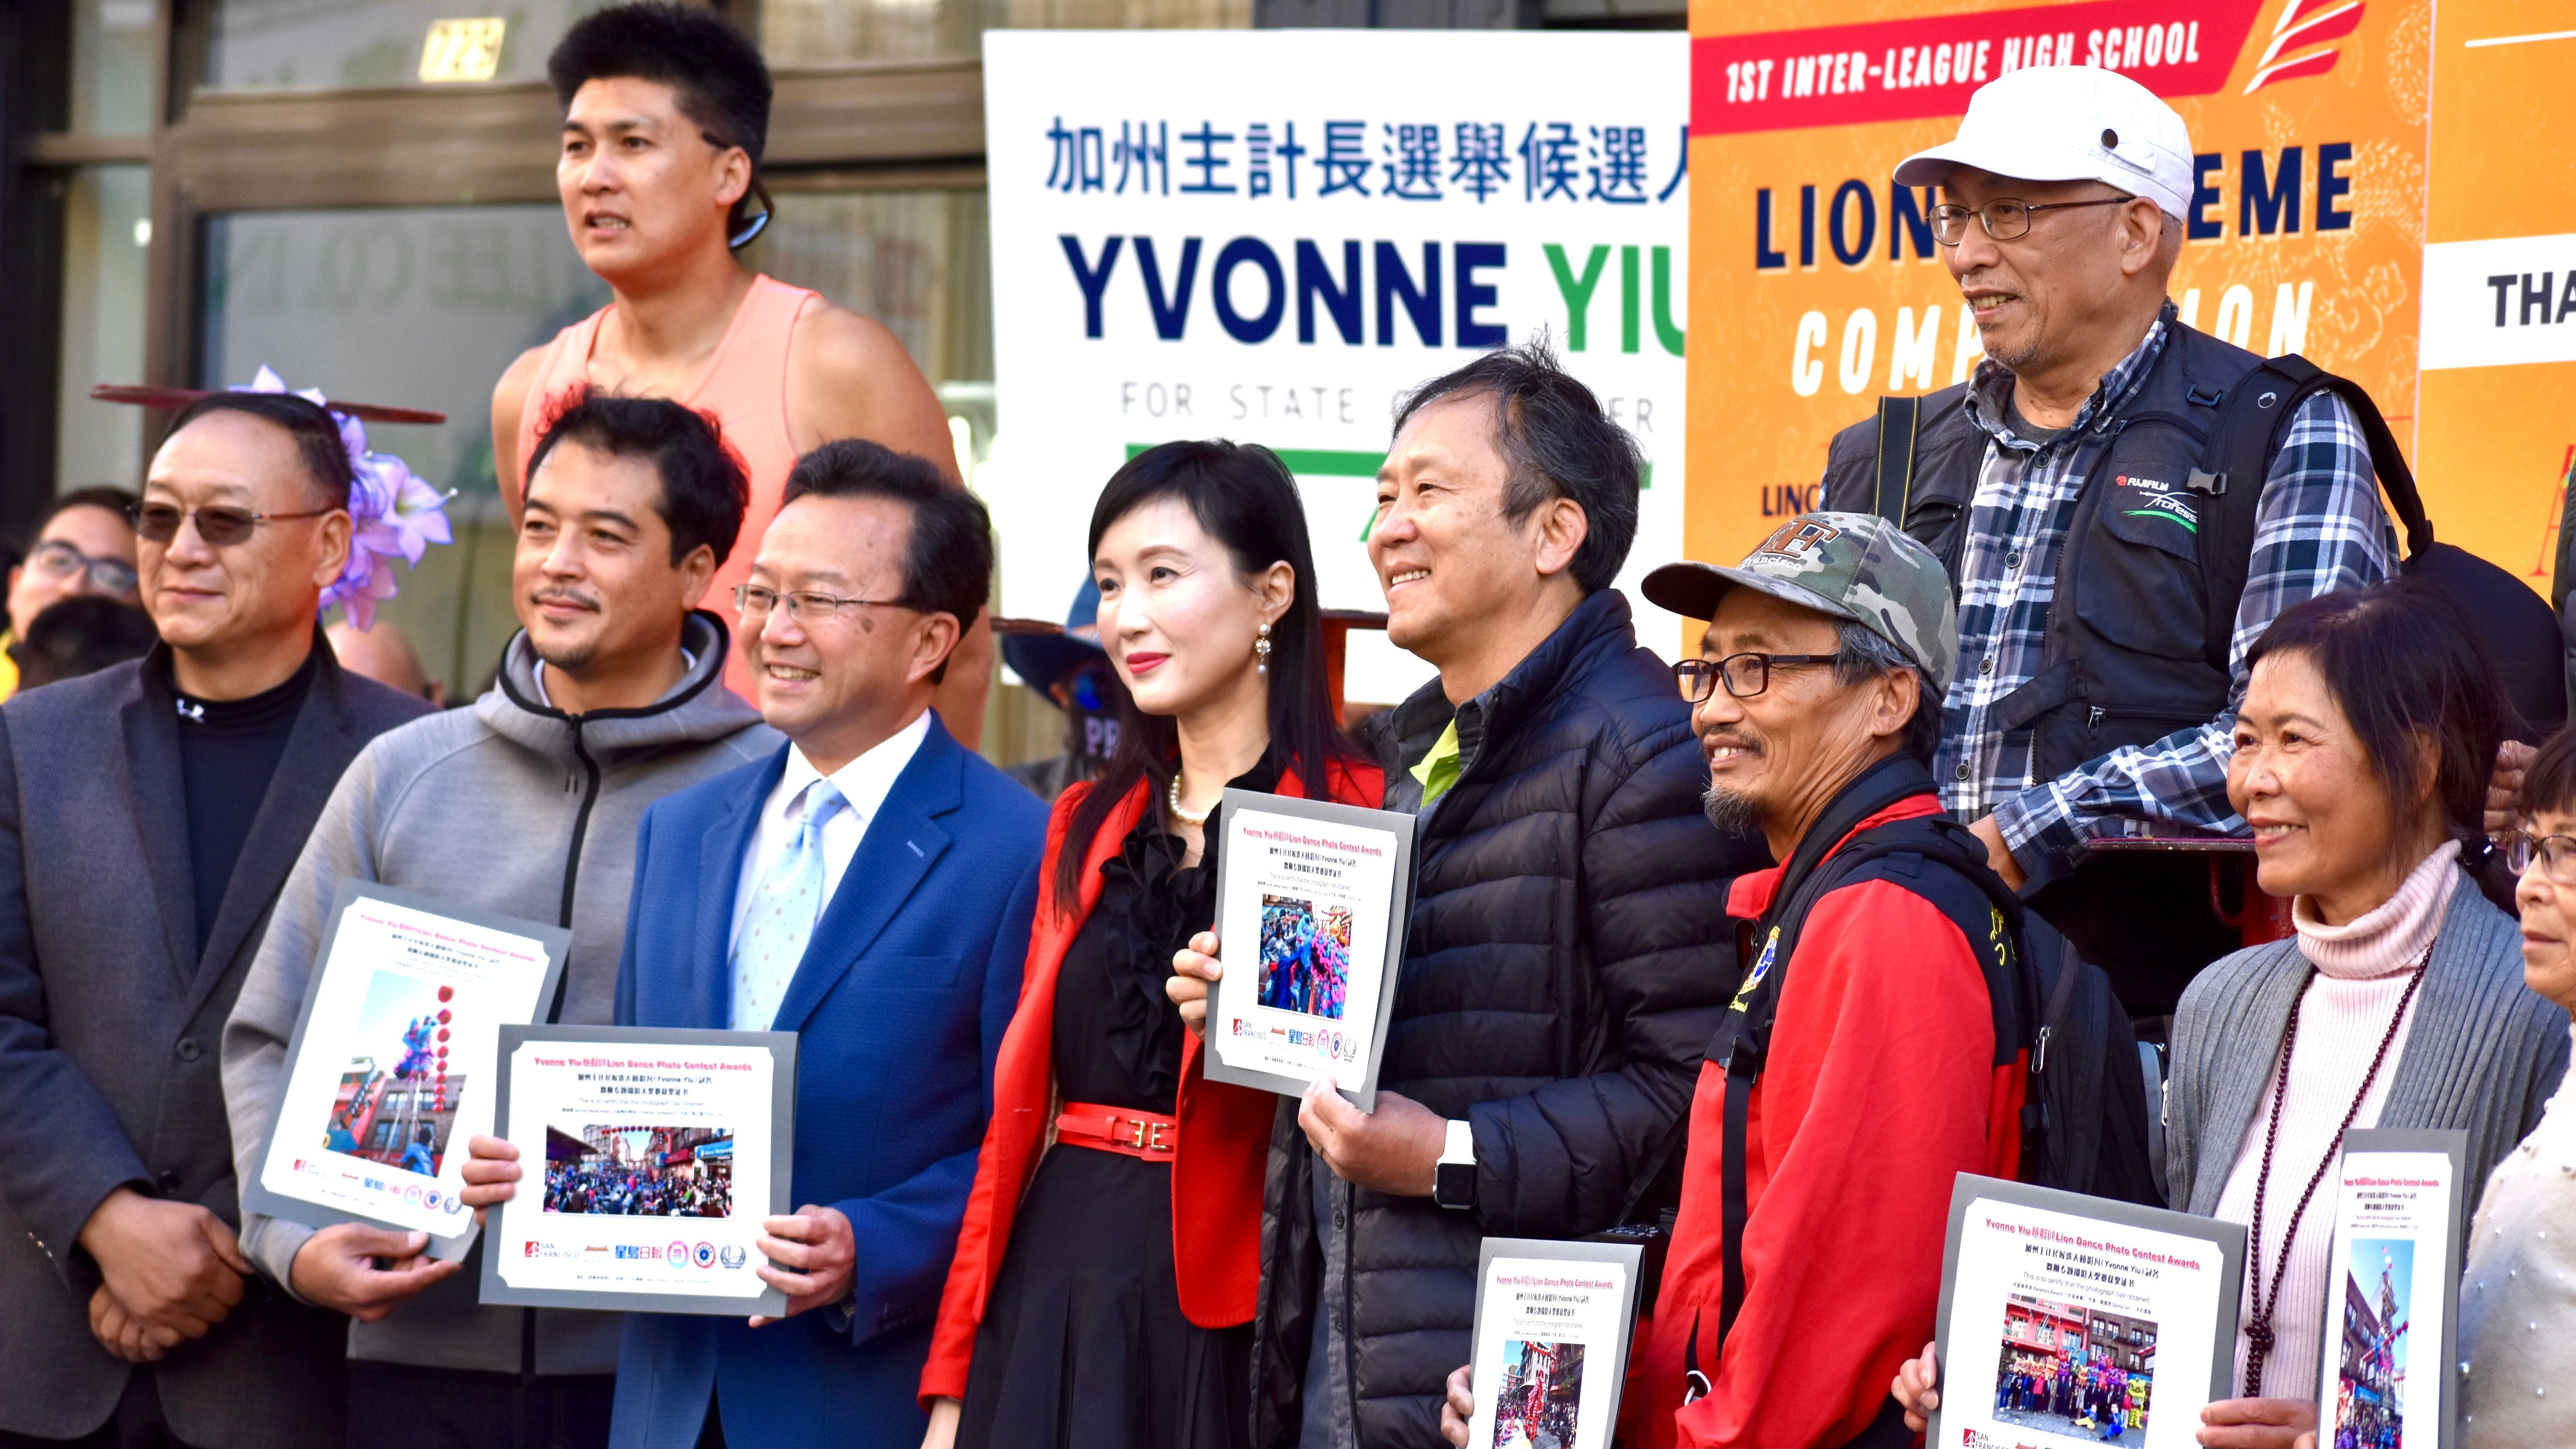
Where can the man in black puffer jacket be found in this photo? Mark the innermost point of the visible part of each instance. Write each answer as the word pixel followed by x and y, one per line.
pixel 1569 952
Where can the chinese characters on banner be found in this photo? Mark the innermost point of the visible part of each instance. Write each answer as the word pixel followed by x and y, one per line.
pixel 1286 230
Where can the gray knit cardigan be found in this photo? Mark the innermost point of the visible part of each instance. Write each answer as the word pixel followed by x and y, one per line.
pixel 2484 1053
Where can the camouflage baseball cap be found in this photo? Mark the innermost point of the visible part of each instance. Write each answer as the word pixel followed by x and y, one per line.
pixel 1854 566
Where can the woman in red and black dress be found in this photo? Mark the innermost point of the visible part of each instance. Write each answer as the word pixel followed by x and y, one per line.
pixel 1103 1286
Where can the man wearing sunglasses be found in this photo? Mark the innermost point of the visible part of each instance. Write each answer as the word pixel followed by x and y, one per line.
pixel 527 803
pixel 2108 588
pixel 84 545
pixel 149 814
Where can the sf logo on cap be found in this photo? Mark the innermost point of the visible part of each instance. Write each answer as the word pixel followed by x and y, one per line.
pixel 1799 537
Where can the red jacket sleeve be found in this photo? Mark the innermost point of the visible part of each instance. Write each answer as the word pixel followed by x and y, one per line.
pixel 1879 1090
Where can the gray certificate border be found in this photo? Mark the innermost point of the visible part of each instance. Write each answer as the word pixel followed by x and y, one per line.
pixel 2227 1238
pixel 1399 916
pixel 1632 1255
pixel 782 1154
pixel 2455 1146
pixel 257 1198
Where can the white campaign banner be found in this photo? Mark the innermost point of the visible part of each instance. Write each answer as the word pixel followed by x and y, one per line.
pixel 1270 235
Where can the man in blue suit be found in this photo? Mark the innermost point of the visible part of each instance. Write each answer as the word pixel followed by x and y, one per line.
pixel 869 887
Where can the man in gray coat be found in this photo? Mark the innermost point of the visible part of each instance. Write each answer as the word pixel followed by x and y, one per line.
pixel 611 697
pixel 148 815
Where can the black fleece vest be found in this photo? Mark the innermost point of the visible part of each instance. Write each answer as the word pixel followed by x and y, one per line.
pixel 2154 560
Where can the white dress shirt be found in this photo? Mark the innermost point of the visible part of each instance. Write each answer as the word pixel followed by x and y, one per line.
pixel 863 782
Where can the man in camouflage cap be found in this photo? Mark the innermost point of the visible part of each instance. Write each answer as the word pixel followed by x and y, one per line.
pixel 1871 1051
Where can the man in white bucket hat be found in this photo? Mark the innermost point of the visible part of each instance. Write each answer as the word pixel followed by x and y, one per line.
pixel 2119 528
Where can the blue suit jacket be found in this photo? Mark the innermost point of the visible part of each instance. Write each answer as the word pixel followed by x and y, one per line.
pixel 899 1005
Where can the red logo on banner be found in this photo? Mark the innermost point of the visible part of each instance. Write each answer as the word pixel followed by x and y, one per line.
pixel 1899 70
pixel 2304 23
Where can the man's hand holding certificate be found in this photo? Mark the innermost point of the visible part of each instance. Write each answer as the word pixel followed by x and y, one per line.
pixel 389 1072
pixel 649 1170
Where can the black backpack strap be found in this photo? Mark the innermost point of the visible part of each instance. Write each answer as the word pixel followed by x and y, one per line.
pixel 2252 414
pixel 2564 574
pixel 1899 426
pixel 1957 881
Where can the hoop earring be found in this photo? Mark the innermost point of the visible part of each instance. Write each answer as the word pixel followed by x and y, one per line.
pixel 758 224
pixel 1261 652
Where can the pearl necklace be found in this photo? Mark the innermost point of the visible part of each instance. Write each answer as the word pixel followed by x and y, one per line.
pixel 1181 815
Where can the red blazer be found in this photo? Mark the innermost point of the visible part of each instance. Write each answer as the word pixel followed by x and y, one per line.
pixel 1217 1162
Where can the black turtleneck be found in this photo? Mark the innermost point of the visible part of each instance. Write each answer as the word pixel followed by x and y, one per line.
pixel 229 750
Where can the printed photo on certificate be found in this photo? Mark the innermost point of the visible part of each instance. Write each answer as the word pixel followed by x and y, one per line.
pixel 1553 1320
pixel 2392 1294
pixel 389 1072
pixel 662 1151
pixel 2069 1321
pixel 1311 902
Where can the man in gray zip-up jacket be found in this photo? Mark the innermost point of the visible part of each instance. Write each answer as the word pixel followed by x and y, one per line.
pixel 528 803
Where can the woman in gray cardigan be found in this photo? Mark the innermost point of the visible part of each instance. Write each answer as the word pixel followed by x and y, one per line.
pixel 2362 751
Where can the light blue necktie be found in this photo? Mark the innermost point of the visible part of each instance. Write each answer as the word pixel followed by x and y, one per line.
pixel 781 918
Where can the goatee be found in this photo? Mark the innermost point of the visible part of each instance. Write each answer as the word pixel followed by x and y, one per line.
pixel 1730 812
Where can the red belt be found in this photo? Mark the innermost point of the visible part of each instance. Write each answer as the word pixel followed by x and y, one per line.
pixel 1149 1135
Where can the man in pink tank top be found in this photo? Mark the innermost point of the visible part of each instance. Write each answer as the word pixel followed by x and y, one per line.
pixel 666 109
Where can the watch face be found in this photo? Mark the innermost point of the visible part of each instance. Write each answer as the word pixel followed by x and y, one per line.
pixel 1453 1184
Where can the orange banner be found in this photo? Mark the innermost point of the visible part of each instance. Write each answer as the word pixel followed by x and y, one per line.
pixel 1815 283
pixel 2497 430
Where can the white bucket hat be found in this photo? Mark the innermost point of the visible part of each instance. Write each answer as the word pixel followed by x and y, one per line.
pixel 2068 123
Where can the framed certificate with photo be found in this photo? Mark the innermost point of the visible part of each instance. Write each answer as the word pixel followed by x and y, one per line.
pixel 1553 1322
pixel 2392 1322
pixel 2070 1321
pixel 1311 904
pixel 389 1071
pixel 650 1157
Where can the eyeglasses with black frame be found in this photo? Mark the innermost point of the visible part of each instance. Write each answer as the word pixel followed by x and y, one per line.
pixel 805 606
pixel 220 525
pixel 1745 675
pixel 2556 855
pixel 2004 218
pixel 55 559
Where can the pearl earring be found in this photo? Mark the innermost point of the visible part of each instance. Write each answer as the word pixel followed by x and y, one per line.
pixel 1261 652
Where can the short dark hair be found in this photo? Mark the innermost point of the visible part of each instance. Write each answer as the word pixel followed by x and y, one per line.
pixel 2403 661
pixel 81 635
pixel 2549 781
pixel 1861 654
pixel 948 557
pixel 315 431
pixel 118 501
pixel 705 488
pixel 1557 443
pixel 713 69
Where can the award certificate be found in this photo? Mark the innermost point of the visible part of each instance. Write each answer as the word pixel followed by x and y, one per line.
pixel 390 1068
pixel 660 1150
pixel 1553 1321
pixel 1311 905
pixel 2070 1322
pixel 2393 1293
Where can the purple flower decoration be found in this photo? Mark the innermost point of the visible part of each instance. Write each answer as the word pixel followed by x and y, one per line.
pixel 392 510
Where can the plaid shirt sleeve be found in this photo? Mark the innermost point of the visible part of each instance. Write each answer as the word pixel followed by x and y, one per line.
pixel 2319 527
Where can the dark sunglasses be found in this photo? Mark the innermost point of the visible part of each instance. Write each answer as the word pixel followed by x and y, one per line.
pixel 220 526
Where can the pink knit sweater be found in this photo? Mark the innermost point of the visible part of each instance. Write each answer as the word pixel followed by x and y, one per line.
pixel 2362 968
